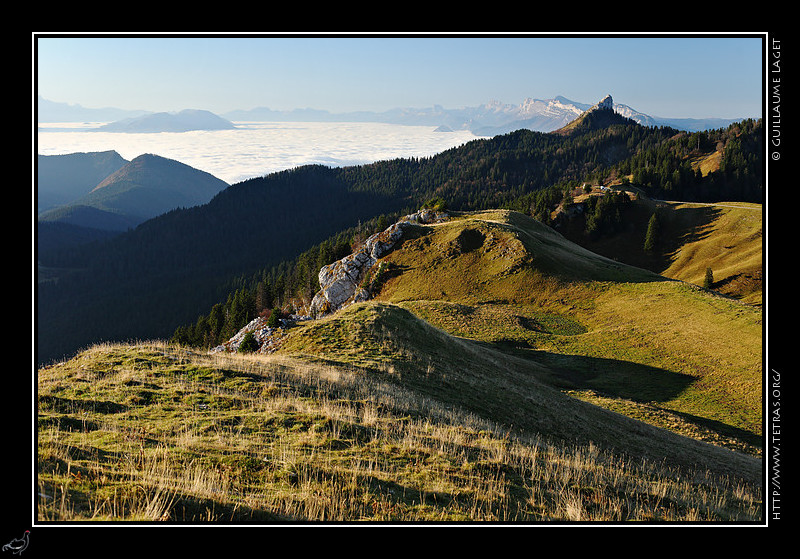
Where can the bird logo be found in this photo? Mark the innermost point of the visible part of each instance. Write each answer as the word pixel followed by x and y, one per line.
pixel 18 545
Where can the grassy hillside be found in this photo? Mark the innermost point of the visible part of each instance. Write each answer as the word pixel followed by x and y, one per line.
pixel 725 236
pixel 604 329
pixel 503 373
pixel 730 242
pixel 155 433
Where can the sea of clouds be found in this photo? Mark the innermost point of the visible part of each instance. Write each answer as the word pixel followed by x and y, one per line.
pixel 256 149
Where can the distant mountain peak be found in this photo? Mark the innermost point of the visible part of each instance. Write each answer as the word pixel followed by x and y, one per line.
pixel 598 116
pixel 605 103
pixel 183 121
pixel 147 186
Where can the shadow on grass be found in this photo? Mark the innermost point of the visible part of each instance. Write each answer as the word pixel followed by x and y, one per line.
pixel 615 378
pixel 724 429
pixel 190 509
pixel 635 382
pixel 679 226
pixel 685 225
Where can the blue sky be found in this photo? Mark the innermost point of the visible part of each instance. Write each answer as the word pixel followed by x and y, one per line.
pixel 688 76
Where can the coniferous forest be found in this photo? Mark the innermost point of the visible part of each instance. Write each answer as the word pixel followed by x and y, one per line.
pixel 200 274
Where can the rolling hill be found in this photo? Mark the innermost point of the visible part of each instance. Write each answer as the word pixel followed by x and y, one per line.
pixel 139 190
pixel 61 179
pixel 728 240
pixel 726 237
pixel 152 433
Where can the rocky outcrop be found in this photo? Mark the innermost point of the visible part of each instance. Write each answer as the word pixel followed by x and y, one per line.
pixel 268 338
pixel 598 116
pixel 605 103
pixel 341 282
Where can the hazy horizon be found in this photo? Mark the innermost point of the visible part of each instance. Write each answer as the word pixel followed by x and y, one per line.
pixel 703 76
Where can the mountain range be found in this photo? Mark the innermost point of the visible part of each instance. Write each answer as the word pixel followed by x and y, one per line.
pixel 488 119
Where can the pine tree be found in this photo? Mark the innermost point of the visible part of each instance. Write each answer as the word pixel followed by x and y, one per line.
pixel 653 233
pixel 708 281
pixel 274 316
pixel 249 343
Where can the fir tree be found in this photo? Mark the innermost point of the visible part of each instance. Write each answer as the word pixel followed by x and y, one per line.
pixel 249 343
pixel 653 233
pixel 274 316
pixel 708 281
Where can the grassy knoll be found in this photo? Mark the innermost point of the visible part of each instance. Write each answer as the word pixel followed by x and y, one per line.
pixel 155 433
pixel 603 329
pixel 730 242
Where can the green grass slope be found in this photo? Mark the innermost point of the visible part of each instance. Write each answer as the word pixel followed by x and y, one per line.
pixel 502 373
pixel 661 350
pixel 509 389
pixel 729 240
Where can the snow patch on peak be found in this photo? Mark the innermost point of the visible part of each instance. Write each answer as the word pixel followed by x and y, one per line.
pixel 496 106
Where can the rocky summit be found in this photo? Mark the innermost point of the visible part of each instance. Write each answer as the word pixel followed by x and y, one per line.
pixel 605 103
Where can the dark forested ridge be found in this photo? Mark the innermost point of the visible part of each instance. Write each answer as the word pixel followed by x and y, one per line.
pixel 266 238
pixel 145 282
pixel 664 170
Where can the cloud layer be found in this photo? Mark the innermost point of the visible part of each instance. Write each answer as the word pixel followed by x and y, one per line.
pixel 257 149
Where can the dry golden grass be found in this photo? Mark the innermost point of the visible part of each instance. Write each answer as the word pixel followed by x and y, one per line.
pixel 707 163
pixel 731 244
pixel 154 433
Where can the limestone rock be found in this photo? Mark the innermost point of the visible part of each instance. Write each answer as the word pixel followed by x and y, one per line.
pixel 605 103
pixel 340 282
pixel 268 338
